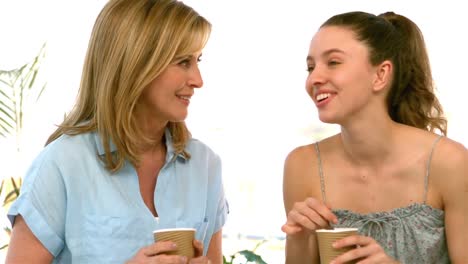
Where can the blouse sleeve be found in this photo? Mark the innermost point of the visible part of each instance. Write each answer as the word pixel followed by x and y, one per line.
pixel 42 202
pixel 222 207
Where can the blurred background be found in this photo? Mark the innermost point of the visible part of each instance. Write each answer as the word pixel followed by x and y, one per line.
pixel 253 108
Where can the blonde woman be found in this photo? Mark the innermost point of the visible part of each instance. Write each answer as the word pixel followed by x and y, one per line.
pixel 124 157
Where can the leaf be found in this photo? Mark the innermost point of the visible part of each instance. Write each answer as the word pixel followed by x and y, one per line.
pixel 4 133
pixel 16 186
pixel 40 92
pixel 7 111
pixel 252 257
pixel 6 119
pixel 10 197
pixel 10 76
pixel 17 90
pixel 2 81
pixel 225 261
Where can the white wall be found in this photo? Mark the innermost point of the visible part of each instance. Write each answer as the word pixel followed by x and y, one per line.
pixel 253 109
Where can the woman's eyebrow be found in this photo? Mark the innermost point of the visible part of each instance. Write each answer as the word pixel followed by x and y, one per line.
pixel 326 53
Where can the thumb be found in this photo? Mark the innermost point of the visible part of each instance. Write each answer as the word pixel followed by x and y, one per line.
pixel 291 229
pixel 198 245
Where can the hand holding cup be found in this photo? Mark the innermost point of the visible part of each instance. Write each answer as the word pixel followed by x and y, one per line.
pixel 326 238
pixel 182 237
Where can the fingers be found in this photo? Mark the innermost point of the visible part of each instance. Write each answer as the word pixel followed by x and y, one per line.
pixel 158 248
pixel 198 245
pixel 170 259
pixel 306 218
pixel 354 240
pixel 291 229
pixel 323 211
pixel 363 255
pixel 311 214
pixel 200 260
pixel 367 250
pixel 159 252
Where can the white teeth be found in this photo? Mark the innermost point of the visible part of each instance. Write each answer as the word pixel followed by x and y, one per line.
pixel 323 96
pixel 184 97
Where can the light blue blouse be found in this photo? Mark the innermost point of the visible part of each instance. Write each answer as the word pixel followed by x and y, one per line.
pixel 84 214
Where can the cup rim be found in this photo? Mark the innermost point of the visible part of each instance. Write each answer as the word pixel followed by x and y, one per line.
pixel 337 230
pixel 174 229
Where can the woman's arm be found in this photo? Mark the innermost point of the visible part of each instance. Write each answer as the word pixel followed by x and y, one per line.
pixel 454 189
pixel 301 246
pixel 24 247
pixel 215 253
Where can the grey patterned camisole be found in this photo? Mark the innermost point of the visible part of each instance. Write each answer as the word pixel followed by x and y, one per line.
pixel 411 234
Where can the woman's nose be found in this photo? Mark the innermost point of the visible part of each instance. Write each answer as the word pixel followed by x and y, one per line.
pixel 316 77
pixel 196 80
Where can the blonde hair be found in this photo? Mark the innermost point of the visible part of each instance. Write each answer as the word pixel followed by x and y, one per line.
pixel 132 42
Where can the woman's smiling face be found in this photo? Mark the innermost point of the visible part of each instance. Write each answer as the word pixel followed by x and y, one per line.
pixel 340 78
pixel 168 96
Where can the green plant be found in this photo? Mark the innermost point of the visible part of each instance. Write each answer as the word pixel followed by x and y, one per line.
pixel 18 91
pixel 10 189
pixel 248 255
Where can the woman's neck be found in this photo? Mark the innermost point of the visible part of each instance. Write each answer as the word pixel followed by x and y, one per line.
pixel 370 144
pixel 152 129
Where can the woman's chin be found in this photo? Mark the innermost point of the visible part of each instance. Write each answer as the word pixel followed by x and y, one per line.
pixel 179 118
pixel 328 119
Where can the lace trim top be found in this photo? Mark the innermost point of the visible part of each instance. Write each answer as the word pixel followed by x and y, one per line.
pixel 411 234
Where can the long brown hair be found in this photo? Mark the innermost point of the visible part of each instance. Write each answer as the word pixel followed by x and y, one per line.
pixel 132 42
pixel 411 99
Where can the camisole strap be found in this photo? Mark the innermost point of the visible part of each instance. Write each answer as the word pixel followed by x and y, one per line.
pixel 322 183
pixel 428 166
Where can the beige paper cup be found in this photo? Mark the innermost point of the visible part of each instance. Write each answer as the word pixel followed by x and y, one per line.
pixel 183 237
pixel 325 239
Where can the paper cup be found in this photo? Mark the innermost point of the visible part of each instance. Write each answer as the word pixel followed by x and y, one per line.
pixel 183 237
pixel 325 239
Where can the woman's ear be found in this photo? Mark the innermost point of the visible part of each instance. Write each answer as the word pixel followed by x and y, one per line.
pixel 383 75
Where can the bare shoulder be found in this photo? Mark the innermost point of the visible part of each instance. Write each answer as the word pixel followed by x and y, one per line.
pixel 301 173
pixel 449 166
pixel 298 175
pixel 299 168
pixel 450 155
pixel 307 154
pixel 300 154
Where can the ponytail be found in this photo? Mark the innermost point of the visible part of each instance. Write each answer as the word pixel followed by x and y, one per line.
pixel 411 99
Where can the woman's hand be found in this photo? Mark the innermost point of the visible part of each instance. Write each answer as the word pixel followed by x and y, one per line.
pixel 199 258
pixel 310 214
pixel 155 253
pixel 368 251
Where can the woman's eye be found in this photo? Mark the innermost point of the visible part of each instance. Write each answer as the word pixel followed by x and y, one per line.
pixel 310 68
pixel 333 63
pixel 185 62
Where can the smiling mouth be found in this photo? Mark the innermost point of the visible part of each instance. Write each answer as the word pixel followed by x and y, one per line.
pixel 322 97
pixel 184 97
